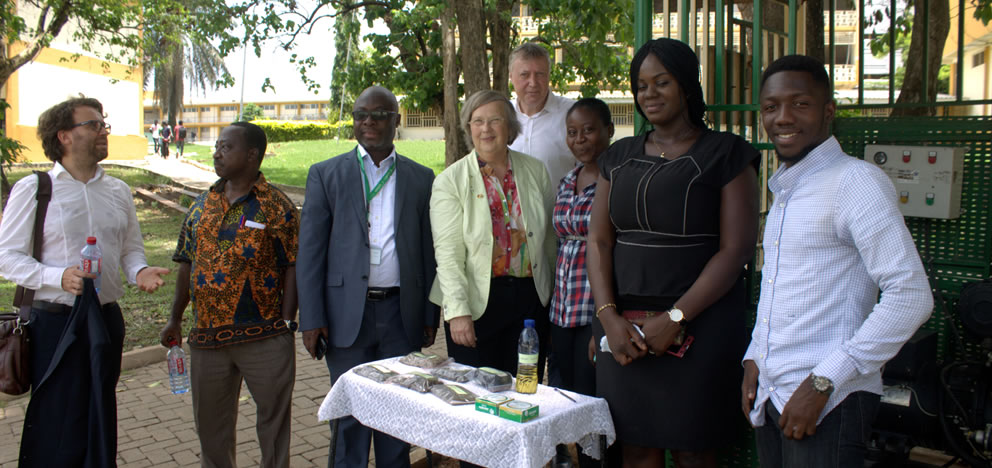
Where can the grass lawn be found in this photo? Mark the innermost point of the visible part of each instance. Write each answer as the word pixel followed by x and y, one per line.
pixel 288 163
pixel 144 314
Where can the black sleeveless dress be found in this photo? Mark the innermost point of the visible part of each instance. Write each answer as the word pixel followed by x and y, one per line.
pixel 667 217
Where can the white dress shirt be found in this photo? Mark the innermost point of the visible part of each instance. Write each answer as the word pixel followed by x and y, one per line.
pixel 102 208
pixel 542 136
pixel 833 237
pixel 382 230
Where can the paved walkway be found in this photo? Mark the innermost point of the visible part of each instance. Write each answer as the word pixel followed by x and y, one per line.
pixel 155 427
pixel 197 176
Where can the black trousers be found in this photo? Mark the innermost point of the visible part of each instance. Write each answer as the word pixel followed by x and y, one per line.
pixel 67 423
pixel 511 300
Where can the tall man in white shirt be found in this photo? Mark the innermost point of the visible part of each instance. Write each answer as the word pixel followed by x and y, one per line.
pixel 366 264
pixel 85 202
pixel 833 238
pixel 541 113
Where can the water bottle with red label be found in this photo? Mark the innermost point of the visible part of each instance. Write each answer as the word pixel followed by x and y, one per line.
pixel 178 369
pixel 91 260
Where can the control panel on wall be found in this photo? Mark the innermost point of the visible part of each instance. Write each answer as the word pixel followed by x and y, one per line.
pixel 927 178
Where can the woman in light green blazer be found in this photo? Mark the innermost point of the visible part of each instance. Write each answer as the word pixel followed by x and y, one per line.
pixel 493 241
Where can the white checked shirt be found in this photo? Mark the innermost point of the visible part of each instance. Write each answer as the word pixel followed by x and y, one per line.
pixel 102 207
pixel 382 230
pixel 833 237
pixel 542 136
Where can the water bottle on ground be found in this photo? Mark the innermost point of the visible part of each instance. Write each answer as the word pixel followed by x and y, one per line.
pixel 527 351
pixel 91 260
pixel 178 369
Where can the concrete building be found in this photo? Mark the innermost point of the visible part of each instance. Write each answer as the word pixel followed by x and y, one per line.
pixel 55 75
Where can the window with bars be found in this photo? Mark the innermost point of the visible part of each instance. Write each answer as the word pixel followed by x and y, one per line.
pixel 430 118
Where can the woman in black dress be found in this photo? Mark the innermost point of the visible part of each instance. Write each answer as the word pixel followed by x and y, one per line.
pixel 674 221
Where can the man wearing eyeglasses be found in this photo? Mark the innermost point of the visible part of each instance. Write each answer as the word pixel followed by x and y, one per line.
pixel 366 264
pixel 72 418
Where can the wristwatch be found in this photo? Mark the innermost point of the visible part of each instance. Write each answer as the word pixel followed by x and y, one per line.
pixel 822 385
pixel 675 314
pixel 291 325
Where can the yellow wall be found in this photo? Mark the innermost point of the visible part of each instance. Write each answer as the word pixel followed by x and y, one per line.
pixel 121 146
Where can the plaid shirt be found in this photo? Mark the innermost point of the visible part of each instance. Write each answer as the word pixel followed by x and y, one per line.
pixel 572 304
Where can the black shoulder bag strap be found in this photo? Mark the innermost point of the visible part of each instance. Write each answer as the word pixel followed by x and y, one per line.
pixel 23 297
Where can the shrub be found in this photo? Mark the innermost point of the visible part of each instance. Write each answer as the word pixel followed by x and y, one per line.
pixel 281 130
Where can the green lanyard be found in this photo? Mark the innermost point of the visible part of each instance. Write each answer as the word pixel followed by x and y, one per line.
pixel 370 194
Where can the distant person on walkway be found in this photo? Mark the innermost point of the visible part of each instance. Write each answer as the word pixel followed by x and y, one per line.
pixel 540 112
pixel 72 417
pixel 180 133
pixel 366 264
pixel 166 138
pixel 237 252
pixel 156 135
pixel 833 238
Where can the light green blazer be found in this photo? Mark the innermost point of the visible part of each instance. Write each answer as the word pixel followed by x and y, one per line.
pixel 463 233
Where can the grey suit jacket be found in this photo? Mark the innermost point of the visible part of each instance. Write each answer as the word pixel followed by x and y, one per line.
pixel 333 263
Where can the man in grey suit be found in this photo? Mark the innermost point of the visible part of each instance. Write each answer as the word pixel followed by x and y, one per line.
pixel 366 263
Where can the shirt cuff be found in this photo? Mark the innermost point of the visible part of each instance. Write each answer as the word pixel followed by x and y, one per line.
pixel 450 311
pixel 749 354
pixel 52 276
pixel 839 367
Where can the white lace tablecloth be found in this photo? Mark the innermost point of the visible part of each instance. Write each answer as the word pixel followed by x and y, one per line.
pixel 461 432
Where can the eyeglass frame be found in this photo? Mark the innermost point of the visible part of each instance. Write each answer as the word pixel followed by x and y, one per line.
pixel 490 123
pixel 103 123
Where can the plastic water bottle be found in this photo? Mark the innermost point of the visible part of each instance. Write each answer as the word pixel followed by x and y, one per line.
pixel 91 260
pixel 527 351
pixel 178 369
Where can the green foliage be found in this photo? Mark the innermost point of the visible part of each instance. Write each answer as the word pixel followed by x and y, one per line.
pixel 293 130
pixel 10 151
pixel 347 30
pixel 252 111
pixel 983 10
pixel 593 36
pixel 293 159
pixel 903 30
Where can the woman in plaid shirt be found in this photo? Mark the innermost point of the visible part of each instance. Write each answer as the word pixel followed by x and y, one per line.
pixel 589 129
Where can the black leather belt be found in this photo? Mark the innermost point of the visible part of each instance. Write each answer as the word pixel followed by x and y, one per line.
pixel 378 294
pixel 52 307
pixel 57 308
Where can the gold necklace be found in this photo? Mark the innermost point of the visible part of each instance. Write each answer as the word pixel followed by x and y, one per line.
pixel 657 147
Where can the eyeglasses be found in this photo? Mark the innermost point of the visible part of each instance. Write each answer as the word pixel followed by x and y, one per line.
pixel 479 123
pixel 95 125
pixel 379 115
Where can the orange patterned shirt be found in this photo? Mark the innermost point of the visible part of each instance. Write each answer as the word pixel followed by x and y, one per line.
pixel 239 252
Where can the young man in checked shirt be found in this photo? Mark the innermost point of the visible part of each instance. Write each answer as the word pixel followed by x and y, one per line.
pixel 833 238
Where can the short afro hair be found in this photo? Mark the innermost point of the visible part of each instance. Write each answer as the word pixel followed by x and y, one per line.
pixel 254 137
pixel 801 63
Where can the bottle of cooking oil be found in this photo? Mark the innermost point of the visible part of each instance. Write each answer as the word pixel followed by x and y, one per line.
pixel 527 351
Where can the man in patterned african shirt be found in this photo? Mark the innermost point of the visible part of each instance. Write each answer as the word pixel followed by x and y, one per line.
pixel 237 254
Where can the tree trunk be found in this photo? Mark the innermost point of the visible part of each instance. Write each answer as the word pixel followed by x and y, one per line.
pixel 939 19
pixel 472 32
pixel 814 30
pixel 454 139
pixel 499 35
